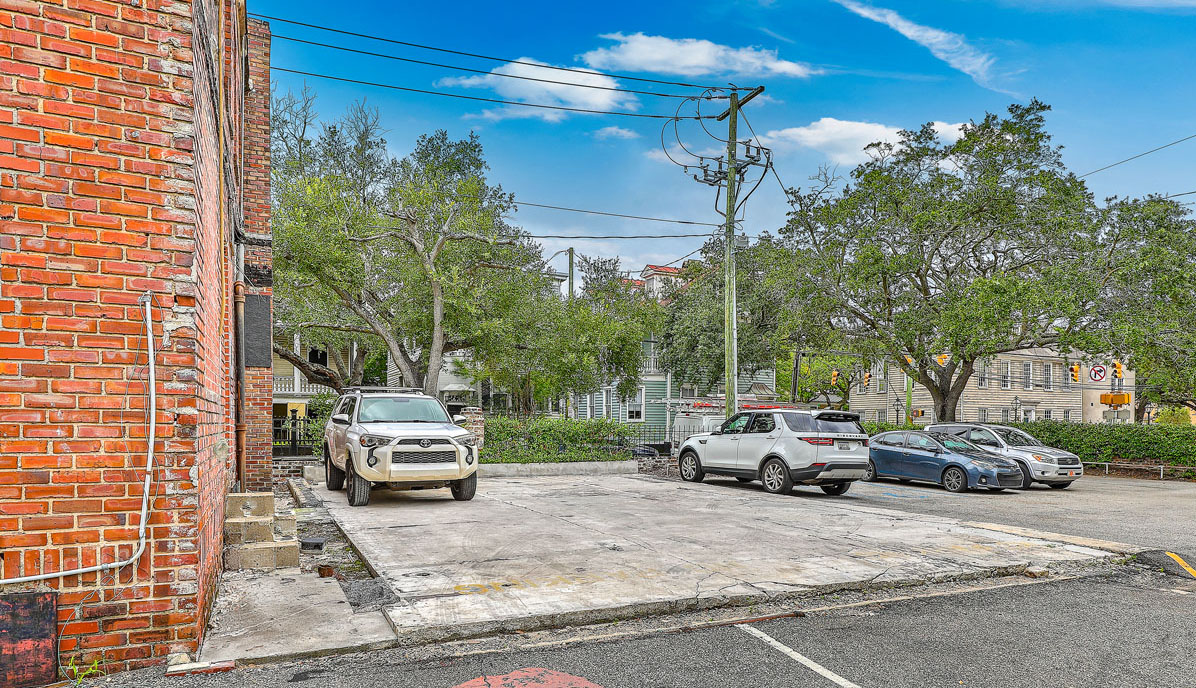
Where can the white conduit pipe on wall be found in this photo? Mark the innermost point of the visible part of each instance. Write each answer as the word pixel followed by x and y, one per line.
pixel 151 409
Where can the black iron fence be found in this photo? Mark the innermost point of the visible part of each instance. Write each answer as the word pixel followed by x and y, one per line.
pixel 294 436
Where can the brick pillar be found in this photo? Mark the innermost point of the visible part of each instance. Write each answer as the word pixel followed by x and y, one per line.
pixel 475 422
pixel 259 377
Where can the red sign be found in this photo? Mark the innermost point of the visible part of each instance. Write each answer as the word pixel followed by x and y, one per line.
pixel 1097 373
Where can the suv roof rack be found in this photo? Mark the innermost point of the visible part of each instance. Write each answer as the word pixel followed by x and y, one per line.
pixel 403 390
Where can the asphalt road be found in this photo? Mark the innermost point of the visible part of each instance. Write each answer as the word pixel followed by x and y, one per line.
pixel 1152 513
pixel 1131 628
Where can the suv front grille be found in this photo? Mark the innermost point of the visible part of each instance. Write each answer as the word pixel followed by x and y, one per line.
pixel 415 441
pixel 1068 461
pixel 423 457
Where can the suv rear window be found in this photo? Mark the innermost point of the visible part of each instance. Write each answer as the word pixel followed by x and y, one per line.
pixel 843 425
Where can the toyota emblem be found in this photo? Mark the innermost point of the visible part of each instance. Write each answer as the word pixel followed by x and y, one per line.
pixel 425 443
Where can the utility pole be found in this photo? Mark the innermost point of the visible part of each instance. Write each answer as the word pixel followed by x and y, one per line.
pixel 570 273
pixel 730 319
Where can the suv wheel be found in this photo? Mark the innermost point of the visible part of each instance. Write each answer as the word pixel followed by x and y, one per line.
pixel 359 487
pixel 775 477
pixel 691 468
pixel 955 480
pixel 465 488
pixel 1027 479
pixel 836 488
pixel 334 477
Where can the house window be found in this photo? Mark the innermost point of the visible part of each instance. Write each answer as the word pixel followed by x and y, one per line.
pixel 317 356
pixel 1007 375
pixel 882 376
pixel 982 415
pixel 635 406
pixel 1004 415
pixel 882 416
pixel 689 391
pixel 1027 415
pixel 1048 377
pixel 1046 414
pixel 982 375
pixel 1067 415
pixel 1027 375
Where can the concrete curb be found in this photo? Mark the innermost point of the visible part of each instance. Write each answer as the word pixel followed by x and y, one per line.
pixel 529 470
pixel 1091 543
pixel 438 634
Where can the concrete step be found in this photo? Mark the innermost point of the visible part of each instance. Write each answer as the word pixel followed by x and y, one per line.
pixel 286 527
pixel 261 555
pixel 240 530
pixel 240 504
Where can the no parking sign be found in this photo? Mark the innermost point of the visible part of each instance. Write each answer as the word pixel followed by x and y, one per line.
pixel 1097 373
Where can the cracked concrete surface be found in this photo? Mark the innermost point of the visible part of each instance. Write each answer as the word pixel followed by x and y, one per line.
pixel 539 552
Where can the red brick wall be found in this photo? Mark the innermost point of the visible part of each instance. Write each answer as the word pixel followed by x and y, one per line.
pixel 259 381
pixel 112 185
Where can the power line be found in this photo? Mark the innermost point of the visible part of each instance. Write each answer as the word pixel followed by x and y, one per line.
pixel 476 98
pixel 490 57
pixel 618 236
pixel 622 215
pixel 1135 157
pixel 493 73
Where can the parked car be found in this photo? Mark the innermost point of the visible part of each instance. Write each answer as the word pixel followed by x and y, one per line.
pixel 781 448
pixel 939 457
pixel 400 438
pixel 1038 463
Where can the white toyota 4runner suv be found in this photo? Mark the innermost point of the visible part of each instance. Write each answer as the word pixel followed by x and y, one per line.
pixel 781 447
pixel 399 438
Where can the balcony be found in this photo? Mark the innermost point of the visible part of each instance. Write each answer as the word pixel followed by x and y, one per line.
pixel 285 386
pixel 652 365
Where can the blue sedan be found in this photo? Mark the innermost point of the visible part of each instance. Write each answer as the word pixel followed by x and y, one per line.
pixel 938 457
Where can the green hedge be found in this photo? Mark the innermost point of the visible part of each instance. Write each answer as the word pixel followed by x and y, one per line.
pixel 554 440
pixel 1125 443
pixel 1129 443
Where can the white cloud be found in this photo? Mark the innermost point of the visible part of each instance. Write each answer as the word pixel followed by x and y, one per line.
pixel 613 132
pixel 952 48
pixel 679 155
pixel 639 52
pixel 843 141
pixel 525 90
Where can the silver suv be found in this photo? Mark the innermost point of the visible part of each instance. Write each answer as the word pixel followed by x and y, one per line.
pixel 780 447
pixel 399 438
pixel 1039 463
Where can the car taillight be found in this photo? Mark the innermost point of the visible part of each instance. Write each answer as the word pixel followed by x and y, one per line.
pixel 865 443
pixel 820 441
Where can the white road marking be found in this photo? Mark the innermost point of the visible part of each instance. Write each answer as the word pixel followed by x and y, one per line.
pixel 802 659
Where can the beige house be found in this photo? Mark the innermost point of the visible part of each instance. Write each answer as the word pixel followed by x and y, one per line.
pixel 1033 384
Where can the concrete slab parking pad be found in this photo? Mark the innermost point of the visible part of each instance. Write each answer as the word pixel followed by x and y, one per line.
pixel 536 552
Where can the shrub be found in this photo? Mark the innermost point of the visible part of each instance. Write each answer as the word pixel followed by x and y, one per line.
pixel 319 409
pixel 555 440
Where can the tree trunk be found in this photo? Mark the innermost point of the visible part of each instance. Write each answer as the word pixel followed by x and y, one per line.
pixel 314 372
pixel 436 350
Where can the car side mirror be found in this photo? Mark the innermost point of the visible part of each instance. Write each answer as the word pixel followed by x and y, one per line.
pixel 340 418
pixel 458 419
pixel 716 431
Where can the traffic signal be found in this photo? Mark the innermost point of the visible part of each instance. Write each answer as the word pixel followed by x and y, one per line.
pixel 942 359
pixel 1118 371
pixel 1075 372
pixel 834 377
pixel 867 379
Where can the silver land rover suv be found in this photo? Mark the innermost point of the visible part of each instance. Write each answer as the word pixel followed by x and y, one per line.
pixel 399 438
pixel 781 448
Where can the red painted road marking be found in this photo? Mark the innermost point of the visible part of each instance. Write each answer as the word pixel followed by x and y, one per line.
pixel 531 677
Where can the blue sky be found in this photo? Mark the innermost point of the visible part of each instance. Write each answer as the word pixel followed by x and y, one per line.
pixel 838 73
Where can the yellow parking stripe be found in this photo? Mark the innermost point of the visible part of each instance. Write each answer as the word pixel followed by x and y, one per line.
pixel 1182 563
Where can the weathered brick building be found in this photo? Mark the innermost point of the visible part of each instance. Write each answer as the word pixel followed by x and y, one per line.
pixel 134 161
